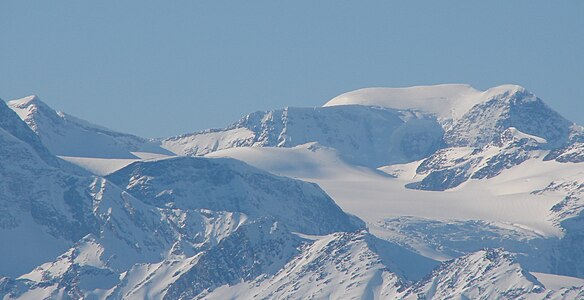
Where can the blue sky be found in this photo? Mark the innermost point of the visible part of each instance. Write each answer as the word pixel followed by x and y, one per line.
pixel 159 68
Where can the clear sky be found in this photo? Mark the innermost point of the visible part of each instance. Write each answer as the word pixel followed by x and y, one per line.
pixel 160 68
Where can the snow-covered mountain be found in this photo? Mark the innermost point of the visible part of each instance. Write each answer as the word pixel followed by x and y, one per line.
pixel 39 207
pixel 508 164
pixel 507 107
pixel 379 126
pixel 228 185
pixel 450 167
pixel 484 132
pixel 94 233
pixel 486 274
pixel 487 182
pixel 362 135
pixel 65 135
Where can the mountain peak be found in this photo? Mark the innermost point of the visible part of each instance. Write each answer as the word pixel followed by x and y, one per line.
pixel 511 88
pixel 506 91
pixel 445 101
pixel 26 102
pixel 508 106
pixel 66 135
pixel 30 108
pixel 12 124
pixel 29 105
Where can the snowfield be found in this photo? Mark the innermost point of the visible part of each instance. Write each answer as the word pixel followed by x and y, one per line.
pixel 373 195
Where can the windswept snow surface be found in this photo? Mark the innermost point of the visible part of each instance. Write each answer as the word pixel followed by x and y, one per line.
pixel 447 101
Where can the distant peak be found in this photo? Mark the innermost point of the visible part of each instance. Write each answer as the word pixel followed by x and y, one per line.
pixel 511 87
pixel 26 102
pixel 506 90
pixel 30 109
pixel 446 101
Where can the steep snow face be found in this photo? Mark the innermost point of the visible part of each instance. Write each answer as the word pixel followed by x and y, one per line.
pixel 130 232
pixel 446 101
pixel 230 185
pixel 66 135
pixel 487 274
pixel 362 135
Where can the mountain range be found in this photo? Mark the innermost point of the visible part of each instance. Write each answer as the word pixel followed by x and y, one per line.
pixel 431 192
